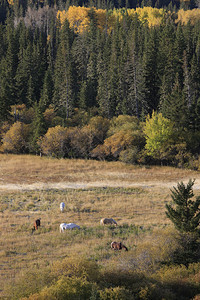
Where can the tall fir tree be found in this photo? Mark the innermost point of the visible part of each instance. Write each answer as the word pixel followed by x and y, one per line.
pixel 175 106
pixel 184 211
pixel 38 126
pixel 103 95
pixel 47 89
pixel 150 66
pixel 64 81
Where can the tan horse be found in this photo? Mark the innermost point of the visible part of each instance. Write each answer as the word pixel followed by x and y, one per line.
pixel 107 221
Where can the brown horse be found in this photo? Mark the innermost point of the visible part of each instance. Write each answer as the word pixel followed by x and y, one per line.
pixel 118 246
pixel 36 225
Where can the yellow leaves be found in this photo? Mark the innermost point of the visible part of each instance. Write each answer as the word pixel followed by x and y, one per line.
pixel 153 16
pixel 79 20
pixel 159 132
pixel 14 140
pixel 77 17
pixel 11 2
pixel 189 15
pixel 54 141
pixel 48 38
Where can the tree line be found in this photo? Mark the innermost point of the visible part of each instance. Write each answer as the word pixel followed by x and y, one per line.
pixel 96 86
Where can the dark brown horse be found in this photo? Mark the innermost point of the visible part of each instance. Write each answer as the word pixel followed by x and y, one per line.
pixel 118 246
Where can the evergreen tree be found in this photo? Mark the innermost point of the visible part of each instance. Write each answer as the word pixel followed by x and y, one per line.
pixel 135 103
pixel 175 108
pixel 38 127
pixel 103 96
pixel 24 71
pixel 179 47
pixel 150 66
pixel 3 10
pixel 184 212
pixel 64 76
pixel 47 90
pixel 91 41
pixel 8 66
pixel 30 92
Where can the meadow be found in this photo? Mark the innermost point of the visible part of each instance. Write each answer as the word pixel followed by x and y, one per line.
pixel 32 187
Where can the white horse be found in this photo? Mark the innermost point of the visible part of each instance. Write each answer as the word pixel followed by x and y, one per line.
pixel 64 226
pixel 62 206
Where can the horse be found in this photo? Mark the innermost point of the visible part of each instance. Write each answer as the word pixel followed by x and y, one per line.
pixel 118 246
pixel 106 221
pixel 64 226
pixel 37 224
pixel 62 206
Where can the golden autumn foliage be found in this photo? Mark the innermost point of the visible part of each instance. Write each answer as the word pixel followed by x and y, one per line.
pixel 11 2
pixel 54 141
pixel 15 139
pixel 153 16
pixel 185 16
pixel 79 18
pixel 124 133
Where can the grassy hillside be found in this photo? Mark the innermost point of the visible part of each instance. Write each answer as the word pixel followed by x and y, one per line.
pixel 135 197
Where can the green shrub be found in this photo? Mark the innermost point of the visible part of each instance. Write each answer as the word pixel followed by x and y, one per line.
pixel 67 288
pixel 76 266
pixel 29 283
pixel 116 293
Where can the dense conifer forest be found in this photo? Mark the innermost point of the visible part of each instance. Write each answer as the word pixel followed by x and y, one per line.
pixel 115 80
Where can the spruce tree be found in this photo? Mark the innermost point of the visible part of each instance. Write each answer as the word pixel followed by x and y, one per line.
pixel 64 74
pixel 103 95
pixel 150 66
pixel 184 212
pixel 47 90
pixel 39 127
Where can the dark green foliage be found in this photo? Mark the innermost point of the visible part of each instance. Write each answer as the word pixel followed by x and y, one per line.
pixel 184 212
pixel 132 69
pixel 38 127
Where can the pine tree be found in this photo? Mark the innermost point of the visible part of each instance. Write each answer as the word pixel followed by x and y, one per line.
pixel 103 80
pixel 180 46
pixel 174 106
pixel 184 212
pixel 135 102
pixel 38 127
pixel 24 71
pixel 150 65
pixel 64 76
pixel 91 41
pixel 3 10
pixel 8 66
pixel 47 90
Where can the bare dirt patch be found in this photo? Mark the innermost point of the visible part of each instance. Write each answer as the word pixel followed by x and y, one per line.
pixel 85 185
pixel 25 172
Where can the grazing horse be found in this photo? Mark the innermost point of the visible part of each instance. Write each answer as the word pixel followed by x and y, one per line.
pixel 64 226
pixel 62 206
pixel 37 224
pixel 107 221
pixel 118 246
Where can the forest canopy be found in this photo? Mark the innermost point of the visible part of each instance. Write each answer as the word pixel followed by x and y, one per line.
pixel 87 81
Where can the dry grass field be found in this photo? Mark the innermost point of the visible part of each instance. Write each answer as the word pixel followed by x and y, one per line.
pixel 33 187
